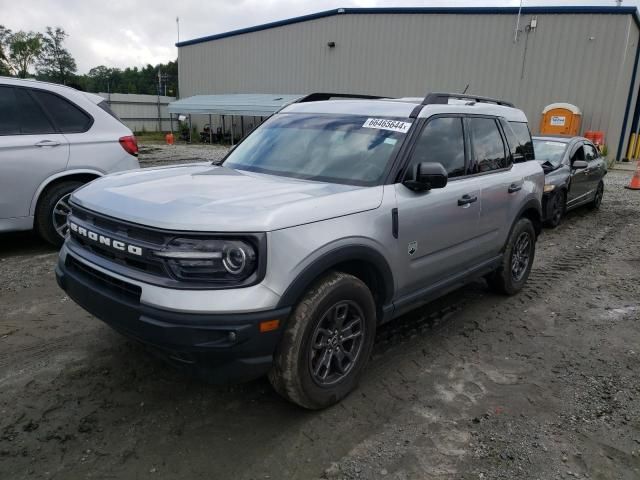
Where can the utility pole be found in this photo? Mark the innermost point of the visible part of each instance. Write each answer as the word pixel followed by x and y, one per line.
pixel 158 100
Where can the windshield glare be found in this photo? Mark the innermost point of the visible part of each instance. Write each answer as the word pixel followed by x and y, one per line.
pixel 549 151
pixel 336 149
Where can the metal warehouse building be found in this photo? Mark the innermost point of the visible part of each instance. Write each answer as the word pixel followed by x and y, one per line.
pixel 587 56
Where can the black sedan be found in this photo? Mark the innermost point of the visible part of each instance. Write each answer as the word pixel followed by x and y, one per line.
pixel 574 172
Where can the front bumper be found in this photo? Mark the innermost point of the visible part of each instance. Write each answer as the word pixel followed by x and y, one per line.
pixel 218 347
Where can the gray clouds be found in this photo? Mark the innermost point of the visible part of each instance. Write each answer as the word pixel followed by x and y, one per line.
pixel 121 33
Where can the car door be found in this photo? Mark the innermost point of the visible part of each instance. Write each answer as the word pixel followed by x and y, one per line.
pixel 595 171
pixel 99 147
pixel 436 228
pixel 31 150
pixel 579 186
pixel 501 185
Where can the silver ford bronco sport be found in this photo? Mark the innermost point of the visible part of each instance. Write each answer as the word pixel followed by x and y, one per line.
pixel 337 214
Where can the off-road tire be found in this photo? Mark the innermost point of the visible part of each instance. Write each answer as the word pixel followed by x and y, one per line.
pixel 561 198
pixel 291 374
pixel 502 280
pixel 44 211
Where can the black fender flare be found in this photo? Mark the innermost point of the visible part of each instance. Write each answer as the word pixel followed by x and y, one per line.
pixel 334 257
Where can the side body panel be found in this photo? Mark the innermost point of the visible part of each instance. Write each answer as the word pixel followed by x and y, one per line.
pixel 25 162
pixel 436 236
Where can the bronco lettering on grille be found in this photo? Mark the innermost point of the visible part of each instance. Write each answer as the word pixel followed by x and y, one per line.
pixel 103 240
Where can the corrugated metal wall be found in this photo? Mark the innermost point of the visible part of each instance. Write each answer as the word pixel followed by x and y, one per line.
pixel 140 112
pixel 585 59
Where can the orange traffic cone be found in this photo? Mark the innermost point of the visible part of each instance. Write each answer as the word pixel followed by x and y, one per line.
pixel 635 180
pixel 169 138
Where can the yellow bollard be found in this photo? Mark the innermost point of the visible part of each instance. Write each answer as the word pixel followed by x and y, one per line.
pixel 632 147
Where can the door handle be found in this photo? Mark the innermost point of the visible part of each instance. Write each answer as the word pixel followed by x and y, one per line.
pixel 466 200
pixel 47 143
pixel 514 187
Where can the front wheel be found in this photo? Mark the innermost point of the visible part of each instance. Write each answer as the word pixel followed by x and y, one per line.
pixel 52 211
pixel 557 208
pixel 517 260
pixel 327 342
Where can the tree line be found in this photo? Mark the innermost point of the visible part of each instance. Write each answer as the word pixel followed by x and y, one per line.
pixel 43 56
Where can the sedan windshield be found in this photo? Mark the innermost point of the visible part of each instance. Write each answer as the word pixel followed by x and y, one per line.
pixel 549 151
pixel 344 149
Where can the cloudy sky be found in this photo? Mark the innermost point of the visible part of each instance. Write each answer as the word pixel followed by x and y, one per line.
pixel 122 33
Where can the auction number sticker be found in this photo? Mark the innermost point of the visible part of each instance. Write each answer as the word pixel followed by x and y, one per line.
pixel 383 124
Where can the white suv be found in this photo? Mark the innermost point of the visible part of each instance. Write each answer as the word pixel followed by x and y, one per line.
pixel 54 139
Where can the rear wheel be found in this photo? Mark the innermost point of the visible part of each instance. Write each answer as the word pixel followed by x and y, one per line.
pixel 557 208
pixel 52 211
pixel 327 342
pixel 597 200
pixel 517 260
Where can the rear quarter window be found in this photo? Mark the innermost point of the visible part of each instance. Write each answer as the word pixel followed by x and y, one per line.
pixel 67 117
pixel 104 105
pixel 521 129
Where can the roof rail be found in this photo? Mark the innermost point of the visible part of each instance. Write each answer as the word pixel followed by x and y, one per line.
pixel 322 96
pixel 443 98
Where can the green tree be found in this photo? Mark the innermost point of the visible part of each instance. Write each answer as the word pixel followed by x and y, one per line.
pixel 24 50
pixel 5 34
pixel 55 62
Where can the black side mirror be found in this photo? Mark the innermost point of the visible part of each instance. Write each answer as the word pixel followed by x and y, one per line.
pixel 577 164
pixel 425 176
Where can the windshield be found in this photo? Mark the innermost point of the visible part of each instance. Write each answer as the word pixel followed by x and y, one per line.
pixel 549 151
pixel 339 149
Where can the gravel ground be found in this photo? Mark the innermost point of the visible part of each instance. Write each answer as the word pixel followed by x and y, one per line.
pixel 542 385
pixel 157 154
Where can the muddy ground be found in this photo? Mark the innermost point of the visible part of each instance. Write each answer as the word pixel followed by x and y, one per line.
pixel 542 385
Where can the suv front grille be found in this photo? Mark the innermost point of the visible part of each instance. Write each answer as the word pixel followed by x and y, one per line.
pixel 136 235
pixel 108 282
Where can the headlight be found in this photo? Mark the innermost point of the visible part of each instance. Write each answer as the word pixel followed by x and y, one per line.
pixel 549 188
pixel 210 260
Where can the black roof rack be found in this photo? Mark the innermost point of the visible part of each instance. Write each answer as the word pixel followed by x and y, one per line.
pixel 320 97
pixel 443 99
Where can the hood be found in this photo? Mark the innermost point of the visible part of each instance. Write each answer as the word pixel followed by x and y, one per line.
pixel 203 197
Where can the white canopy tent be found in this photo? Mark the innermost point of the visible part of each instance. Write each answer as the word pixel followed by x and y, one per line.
pixel 233 104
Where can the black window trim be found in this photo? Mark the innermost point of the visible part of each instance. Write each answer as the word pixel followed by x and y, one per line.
pixel 56 128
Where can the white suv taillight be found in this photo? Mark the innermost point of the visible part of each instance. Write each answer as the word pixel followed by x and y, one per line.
pixel 130 144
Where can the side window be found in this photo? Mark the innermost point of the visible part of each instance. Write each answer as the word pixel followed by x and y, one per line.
pixel 487 147
pixel 32 119
pixel 513 144
pixel 442 141
pixel 67 117
pixel 589 152
pixel 521 129
pixel 578 154
pixel 9 120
